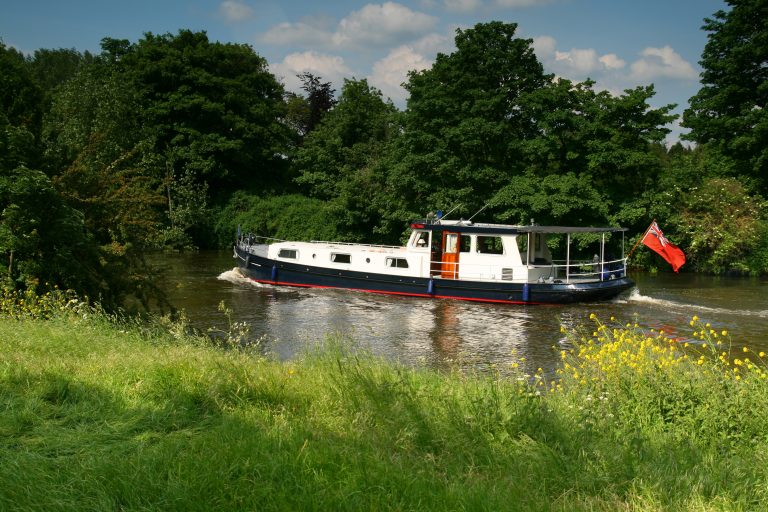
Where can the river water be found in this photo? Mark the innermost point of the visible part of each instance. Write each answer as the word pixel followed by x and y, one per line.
pixel 443 333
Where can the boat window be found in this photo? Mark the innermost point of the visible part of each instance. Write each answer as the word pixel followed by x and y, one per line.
pixel 338 257
pixel 490 245
pixel 422 240
pixel 288 253
pixel 451 242
pixel 465 244
pixel 397 262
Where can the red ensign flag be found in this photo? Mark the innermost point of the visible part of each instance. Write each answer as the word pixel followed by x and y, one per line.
pixel 655 240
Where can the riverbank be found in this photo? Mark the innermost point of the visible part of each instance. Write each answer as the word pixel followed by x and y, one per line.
pixel 102 414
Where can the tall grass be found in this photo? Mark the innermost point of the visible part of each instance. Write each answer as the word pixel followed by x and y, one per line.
pixel 102 414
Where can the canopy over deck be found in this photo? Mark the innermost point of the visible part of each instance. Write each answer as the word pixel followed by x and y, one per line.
pixel 460 226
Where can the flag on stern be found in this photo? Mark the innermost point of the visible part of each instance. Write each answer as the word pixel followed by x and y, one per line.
pixel 655 240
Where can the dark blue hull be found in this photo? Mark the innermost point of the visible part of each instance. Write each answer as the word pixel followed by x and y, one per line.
pixel 263 270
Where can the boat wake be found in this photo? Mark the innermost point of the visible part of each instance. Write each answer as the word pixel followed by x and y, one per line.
pixel 234 276
pixel 638 297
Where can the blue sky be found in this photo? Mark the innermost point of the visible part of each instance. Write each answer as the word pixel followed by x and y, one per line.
pixel 618 43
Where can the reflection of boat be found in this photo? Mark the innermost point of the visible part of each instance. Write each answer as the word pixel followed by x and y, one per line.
pixel 456 260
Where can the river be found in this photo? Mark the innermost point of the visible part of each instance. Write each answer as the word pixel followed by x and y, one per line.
pixel 442 333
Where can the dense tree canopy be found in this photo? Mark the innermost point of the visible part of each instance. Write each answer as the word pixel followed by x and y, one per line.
pixel 214 108
pixel 467 116
pixel 486 126
pixel 340 160
pixel 729 112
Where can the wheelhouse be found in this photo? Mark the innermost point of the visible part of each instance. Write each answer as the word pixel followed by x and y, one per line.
pixel 463 250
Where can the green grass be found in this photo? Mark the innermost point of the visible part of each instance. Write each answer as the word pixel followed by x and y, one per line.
pixel 102 415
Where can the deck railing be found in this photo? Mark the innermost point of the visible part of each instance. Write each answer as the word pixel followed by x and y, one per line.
pixel 587 270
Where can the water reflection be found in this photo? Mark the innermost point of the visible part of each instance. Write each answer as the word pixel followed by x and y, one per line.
pixel 440 333
pixel 443 333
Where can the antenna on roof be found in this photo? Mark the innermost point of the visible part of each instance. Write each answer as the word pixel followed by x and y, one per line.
pixel 478 211
pixel 449 212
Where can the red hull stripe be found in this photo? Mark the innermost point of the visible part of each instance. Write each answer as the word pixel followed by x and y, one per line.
pixel 402 294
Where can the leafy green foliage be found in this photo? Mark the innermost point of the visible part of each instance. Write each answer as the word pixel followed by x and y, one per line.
pixel 465 118
pixel 341 160
pixel 94 111
pixel 556 199
pixel 187 210
pixel 320 100
pixel 289 217
pixel 20 96
pixel 214 108
pixel 148 144
pixel 20 112
pixel 729 111
pixel 43 242
pixel 52 68
pixel 485 126
pixel 720 225
pixel 350 137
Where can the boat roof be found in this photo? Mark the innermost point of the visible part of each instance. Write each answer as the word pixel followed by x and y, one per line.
pixel 465 226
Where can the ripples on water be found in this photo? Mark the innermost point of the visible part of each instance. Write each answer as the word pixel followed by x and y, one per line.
pixel 444 333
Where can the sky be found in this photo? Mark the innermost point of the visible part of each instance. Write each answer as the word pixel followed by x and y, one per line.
pixel 619 44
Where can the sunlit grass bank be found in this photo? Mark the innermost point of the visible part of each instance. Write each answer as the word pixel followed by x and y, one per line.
pixel 98 414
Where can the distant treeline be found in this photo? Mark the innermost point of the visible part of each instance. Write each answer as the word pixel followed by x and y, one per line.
pixel 173 141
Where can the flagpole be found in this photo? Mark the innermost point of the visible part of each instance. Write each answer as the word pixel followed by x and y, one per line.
pixel 640 239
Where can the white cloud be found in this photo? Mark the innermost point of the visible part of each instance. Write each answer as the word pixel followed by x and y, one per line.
pixel 581 61
pixel 382 24
pixel 544 47
pixel 392 71
pixel 662 63
pixel 431 44
pixel 577 63
pixel 462 5
pixel 301 33
pixel 330 68
pixel 234 11
pixel 612 61
pixel 373 25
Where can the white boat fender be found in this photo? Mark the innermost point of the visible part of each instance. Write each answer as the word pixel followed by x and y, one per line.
pixel 431 287
pixel 274 273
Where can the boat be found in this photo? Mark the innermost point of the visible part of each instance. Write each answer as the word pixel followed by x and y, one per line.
pixel 453 259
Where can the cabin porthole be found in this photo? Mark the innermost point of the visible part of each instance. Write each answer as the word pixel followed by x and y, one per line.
pixel 367 260
pixel 313 256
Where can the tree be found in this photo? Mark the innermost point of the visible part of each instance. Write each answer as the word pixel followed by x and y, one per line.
pixel 215 108
pixel 340 160
pixel 319 98
pixel 729 111
pixel 303 114
pixel 608 139
pixel 21 112
pixel 465 119
pixel 44 243
pixel 52 68
pixel 486 126
pixel 103 165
